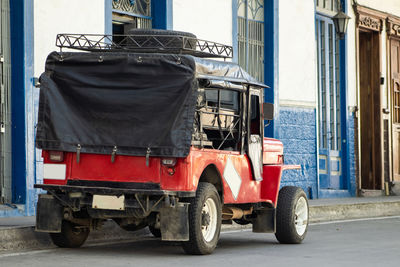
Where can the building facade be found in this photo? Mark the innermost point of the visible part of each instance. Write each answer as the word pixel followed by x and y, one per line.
pixel 373 80
pixel 336 100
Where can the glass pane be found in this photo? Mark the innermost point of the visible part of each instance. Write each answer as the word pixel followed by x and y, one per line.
pixel 332 137
pixel 255 9
pixel 323 85
pixel 241 4
pixel 337 76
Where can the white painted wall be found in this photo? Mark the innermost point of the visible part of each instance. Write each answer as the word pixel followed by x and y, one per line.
pixel 297 53
pixel 210 20
pixel 388 6
pixel 63 16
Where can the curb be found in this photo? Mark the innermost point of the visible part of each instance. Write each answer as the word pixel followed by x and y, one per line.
pixel 323 213
pixel 24 238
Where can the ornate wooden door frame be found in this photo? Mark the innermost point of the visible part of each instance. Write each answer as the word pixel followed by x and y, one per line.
pixel 372 22
pixel 393 32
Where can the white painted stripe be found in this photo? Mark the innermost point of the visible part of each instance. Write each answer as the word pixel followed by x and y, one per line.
pixel 54 171
pixel 357 220
pixel 26 253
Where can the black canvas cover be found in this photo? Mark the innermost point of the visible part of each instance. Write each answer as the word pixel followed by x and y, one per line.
pixel 134 102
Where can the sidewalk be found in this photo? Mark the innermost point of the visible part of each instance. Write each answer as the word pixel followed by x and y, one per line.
pixel 18 232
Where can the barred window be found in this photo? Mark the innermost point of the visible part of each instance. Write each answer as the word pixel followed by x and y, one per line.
pixel 130 14
pixel 251 37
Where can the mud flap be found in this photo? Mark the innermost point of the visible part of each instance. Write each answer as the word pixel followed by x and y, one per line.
pixel 48 214
pixel 265 222
pixel 174 222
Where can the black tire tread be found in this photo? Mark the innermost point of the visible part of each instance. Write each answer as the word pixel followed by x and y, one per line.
pixel 67 238
pixel 285 229
pixel 154 231
pixel 196 244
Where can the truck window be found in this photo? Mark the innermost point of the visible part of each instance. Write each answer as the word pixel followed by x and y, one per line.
pixel 217 119
pixel 255 115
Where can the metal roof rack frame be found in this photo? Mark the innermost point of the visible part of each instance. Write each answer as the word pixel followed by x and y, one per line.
pixel 175 44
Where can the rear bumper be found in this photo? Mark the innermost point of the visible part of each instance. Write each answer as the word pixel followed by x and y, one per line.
pixel 108 190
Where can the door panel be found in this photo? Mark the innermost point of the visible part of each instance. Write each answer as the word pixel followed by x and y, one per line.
pixel 395 107
pixel 255 133
pixel 329 103
pixel 370 117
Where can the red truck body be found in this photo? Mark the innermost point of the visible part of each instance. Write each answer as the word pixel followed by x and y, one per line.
pixel 185 175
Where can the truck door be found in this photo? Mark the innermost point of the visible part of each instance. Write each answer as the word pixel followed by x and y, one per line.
pixel 254 136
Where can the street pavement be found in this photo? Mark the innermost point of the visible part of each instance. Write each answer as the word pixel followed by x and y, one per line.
pixel 360 242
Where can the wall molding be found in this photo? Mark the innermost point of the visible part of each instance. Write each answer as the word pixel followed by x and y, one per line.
pixel 297 104
pixel 393 26
pixel 369 19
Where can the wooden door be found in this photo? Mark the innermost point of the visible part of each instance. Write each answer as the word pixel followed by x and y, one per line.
pixel 395 107
pixel 370 111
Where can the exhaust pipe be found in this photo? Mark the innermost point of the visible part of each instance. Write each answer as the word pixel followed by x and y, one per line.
pixel 229 213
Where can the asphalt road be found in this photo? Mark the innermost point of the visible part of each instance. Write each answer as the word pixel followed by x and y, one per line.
pixel 372 242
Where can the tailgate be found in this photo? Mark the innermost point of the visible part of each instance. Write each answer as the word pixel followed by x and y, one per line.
pixel 98 167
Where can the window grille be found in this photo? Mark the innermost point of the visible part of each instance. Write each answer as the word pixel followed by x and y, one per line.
pixel 251 37
pixel 327 5
pixel 136 7
pixel 130 14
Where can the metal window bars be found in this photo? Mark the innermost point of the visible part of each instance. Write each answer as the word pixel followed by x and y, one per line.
pixel 175 44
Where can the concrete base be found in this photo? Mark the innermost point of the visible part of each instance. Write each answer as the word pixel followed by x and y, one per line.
pixel 395 190
pixel 371 193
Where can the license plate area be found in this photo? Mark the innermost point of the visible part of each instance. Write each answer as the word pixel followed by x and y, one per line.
pixel 108 202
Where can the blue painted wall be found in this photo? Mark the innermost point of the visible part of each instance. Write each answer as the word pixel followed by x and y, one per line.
pixel 271 62
pixel 298 135
pixel 161 12
pixel 23 115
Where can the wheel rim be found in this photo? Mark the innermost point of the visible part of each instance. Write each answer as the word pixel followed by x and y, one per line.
pixel 301 216
pixel 209 219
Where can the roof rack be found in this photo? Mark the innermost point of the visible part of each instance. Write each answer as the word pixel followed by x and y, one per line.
pixel 176 44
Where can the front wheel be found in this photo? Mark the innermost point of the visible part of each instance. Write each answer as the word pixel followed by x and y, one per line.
pixel 204 221
pixel 71 236
pixel 291 215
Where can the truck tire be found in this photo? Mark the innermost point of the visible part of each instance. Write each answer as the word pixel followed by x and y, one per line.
pixel 291 215
pixel 70 236
pixel 204 221
pixel 154 231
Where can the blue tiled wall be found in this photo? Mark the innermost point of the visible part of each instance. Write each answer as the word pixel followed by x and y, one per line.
pixel 297 131
pixel 352 155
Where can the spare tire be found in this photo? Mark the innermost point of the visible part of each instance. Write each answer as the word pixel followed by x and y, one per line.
pixel 155 40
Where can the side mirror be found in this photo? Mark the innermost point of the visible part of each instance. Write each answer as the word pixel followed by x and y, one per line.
pixel 268 111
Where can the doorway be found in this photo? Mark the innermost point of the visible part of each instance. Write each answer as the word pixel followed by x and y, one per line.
pixel 330 101
pixel 395 107
pixel 370 111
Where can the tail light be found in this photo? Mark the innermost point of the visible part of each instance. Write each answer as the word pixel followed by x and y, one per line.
pixel 169 162
pixel 56 156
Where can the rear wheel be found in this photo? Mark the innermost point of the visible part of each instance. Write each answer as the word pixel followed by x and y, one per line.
pixel 71 236
pixel 154 231
pixel 291 215
pixel 204 221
